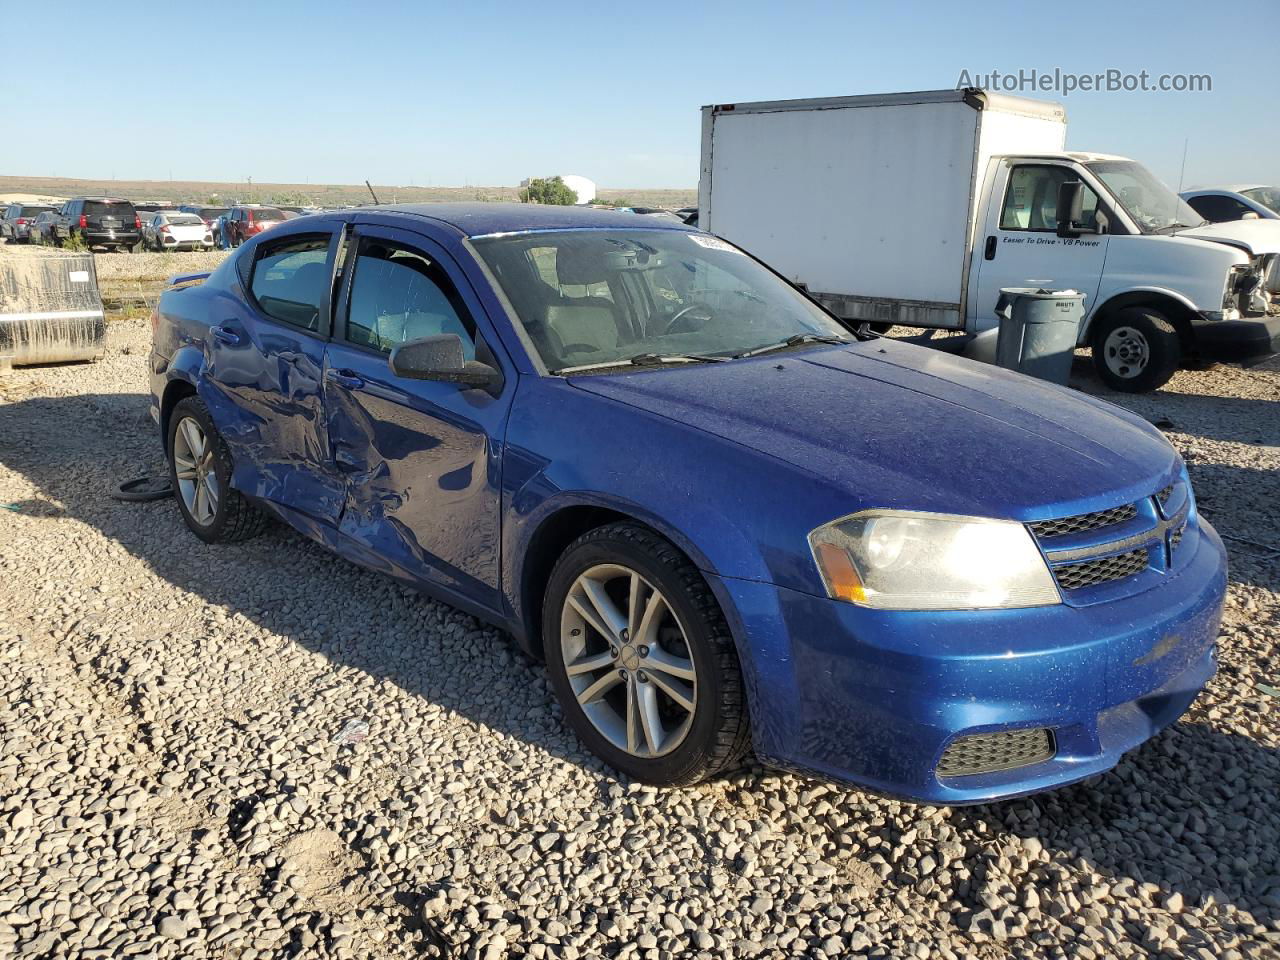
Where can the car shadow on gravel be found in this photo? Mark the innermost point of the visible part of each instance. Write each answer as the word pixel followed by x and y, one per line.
pixel 1192 812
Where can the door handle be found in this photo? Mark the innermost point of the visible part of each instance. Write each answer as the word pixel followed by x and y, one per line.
pixel 225 335
pixel 344 378
pixel 990 252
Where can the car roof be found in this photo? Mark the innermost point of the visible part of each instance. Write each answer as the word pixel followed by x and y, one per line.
pixel 482 219
pixel 104 199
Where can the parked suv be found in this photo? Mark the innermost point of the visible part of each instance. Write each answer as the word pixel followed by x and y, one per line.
pixel 100 222
pixel 15 226
pixel 249 220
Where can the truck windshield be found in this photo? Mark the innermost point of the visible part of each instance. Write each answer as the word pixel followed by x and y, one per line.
pixel 1152 205
pixel 588 297
pixel 1269 197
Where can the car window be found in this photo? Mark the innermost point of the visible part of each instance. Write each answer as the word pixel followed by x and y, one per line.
pixel 1031 200
pixel 400 294
pixel 1218 209
pixel 96 208
pixel 266 213
pixel 291 278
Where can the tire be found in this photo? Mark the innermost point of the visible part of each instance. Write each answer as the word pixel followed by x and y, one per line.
pixel 231 517
pixel 686 746
pixel 1135 350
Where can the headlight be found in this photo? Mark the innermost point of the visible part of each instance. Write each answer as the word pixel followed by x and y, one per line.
pixel 896 560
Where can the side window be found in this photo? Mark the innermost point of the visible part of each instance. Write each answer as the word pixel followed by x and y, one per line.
pixel 291 279
pixel 1031 200
pixel 400 294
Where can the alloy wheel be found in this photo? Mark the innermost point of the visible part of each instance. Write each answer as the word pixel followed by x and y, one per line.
pixel 628 661
pixel 196 471
pixel 1126 352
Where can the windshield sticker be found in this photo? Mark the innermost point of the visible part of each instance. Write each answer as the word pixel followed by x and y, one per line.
pixel 713 243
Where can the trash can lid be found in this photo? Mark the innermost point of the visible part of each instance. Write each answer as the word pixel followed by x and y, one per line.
pixel 1039 293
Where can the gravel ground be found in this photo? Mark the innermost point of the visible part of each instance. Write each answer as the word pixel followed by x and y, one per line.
pixel 170 785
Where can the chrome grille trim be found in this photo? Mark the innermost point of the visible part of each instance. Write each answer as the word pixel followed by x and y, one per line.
pixel 990 752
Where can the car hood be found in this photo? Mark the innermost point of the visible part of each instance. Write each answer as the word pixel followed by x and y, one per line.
pixel 896 425
pixel 1257 237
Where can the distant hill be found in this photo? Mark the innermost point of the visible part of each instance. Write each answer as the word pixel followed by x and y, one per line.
pixel 319 194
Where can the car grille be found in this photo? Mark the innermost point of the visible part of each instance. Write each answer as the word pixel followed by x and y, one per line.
pixel 1127 553
pixel 1085 521
pixel 988 752
pixel 1073 576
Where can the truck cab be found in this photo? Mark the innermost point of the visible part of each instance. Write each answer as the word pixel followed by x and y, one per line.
pixel 931 201
pixel 1161 287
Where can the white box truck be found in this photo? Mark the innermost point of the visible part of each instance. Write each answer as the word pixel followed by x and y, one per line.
pixel 917 208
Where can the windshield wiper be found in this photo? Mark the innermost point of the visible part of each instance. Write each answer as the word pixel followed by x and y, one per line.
pixel 641 360
pixel 793 341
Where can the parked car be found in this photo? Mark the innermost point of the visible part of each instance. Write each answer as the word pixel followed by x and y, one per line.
pixel 1222 204
pixel 15 226
pixel 248 220
pixel 100 221
pixel 723 517
pixel 173 230
pixel 43 229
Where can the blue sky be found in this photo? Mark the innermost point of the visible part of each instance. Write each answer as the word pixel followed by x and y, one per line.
pixel 487 93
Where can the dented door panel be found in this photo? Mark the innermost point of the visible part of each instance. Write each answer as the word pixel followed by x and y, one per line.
pixel 421 467
pixel 264 392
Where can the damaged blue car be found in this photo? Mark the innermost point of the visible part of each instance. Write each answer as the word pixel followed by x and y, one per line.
pixel 730 524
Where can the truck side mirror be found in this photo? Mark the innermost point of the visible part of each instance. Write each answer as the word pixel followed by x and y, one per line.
pixel 1070 208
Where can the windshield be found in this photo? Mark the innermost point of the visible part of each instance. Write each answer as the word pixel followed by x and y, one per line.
pixel 265 213
pixel 1152 205
pixel 1269 197
pixel 595 296
pixel 212 213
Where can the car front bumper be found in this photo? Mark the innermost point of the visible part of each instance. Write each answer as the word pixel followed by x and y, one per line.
pixel 125 238
pixel 876 697
pixel 1238 340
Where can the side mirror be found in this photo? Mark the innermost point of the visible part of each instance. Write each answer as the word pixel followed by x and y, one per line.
pixel 441 358
pixel 1250 215
pixel 1070 208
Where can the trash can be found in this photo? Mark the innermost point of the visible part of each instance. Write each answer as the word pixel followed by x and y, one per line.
pixel 1038 331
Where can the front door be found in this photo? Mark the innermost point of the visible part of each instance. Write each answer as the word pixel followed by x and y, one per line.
pixel 421 459
pixel 264 374
pixel 1021 247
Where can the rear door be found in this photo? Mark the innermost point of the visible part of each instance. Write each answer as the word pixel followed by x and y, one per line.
pixel 1021 246
pixel 421 459
pixel 264 372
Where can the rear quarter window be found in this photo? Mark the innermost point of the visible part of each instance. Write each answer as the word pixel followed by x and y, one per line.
pixel 290 280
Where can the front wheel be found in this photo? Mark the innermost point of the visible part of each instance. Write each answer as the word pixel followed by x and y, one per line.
pixel 200 473
pixel 642 660
pixel 1135 350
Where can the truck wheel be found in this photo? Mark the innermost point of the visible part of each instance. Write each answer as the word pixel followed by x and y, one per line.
pixel 1135 350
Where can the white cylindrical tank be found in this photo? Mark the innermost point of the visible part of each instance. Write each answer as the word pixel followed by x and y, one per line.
pixel 584 188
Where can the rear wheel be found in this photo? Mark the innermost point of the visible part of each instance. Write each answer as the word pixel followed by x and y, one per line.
pixel 641 658
pixel 200 473
pixel 1135 350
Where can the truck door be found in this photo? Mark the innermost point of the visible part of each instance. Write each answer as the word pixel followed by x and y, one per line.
pixel 1021 247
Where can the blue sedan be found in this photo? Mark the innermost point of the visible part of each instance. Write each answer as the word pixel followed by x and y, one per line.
pixel 728 522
